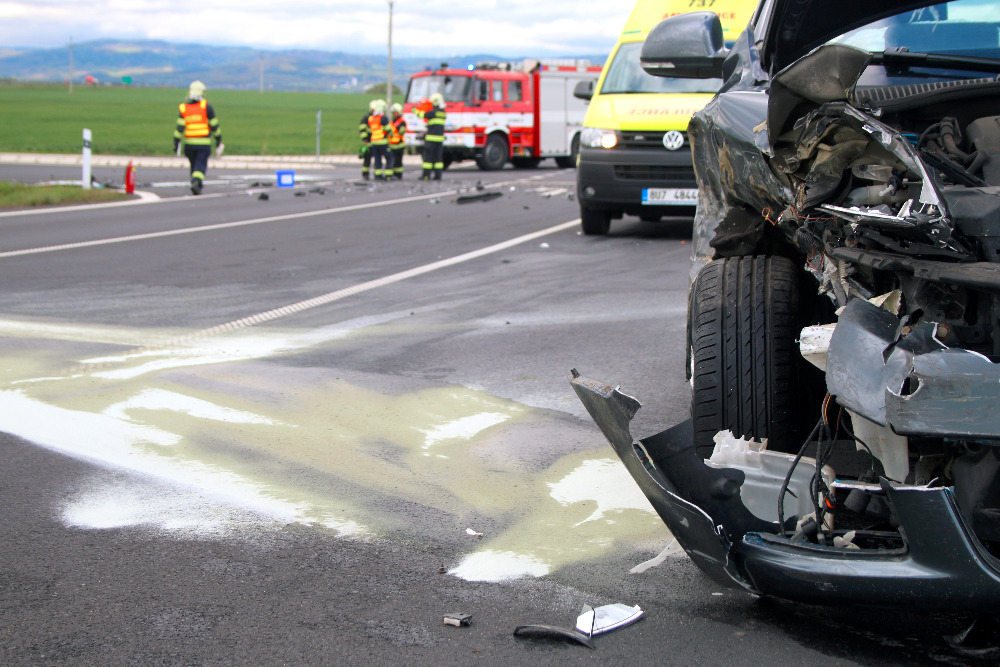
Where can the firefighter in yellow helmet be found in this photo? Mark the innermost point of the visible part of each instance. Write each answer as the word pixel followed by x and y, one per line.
pixel 196 128
pixel 366 140
pixel 434 138
pixel 397 140
pixel 380 128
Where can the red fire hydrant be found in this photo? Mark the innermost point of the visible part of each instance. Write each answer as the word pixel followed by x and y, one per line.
pixel 129 179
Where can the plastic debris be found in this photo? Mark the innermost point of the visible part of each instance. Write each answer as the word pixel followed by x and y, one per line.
pixel 553 632
pixel 457 619
pixel 263 196
pixel 482 196
pixel 596 621
pixel 543 245
pixel 469 531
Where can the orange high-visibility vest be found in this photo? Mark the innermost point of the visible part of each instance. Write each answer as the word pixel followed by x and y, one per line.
pixel 378 132
pixel 195 120
pixel 398 131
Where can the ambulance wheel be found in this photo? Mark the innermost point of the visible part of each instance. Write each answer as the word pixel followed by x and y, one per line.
pixel 495 153
pixel 594 222
pixel 746 372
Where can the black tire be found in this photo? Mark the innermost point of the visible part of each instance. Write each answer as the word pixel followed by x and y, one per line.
pixel 594 222
pixel 495 153
pixel 569 161
pixel 746 369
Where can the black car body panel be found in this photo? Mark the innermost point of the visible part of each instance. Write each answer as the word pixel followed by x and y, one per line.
pixel 855 145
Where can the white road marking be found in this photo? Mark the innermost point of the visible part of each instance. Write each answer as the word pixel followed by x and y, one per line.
pixel 209 228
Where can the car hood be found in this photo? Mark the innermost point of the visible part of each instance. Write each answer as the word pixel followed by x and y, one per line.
pixel 799 26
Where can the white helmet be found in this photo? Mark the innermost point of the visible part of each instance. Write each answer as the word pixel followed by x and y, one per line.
pixel 373 104
pixel 437 99
pixel 196 90
pixel 396 108
pixel 379 106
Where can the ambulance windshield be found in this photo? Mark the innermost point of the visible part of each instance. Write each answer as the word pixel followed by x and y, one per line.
pixel 454 88
pixel 626 76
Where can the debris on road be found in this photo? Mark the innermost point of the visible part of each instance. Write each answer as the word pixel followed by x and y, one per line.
pixel 263 196
pixel 457 619
pixel 483 196
pixel 553 632
pixel 469 531
pixel 596 621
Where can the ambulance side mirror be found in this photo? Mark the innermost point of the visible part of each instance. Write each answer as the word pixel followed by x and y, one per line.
pixel 686 46
pixel 584 90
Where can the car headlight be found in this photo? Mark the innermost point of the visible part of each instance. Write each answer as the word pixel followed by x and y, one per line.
pixel 594 137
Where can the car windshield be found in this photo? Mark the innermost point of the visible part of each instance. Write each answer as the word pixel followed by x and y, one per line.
pixel 627 76
pixel 454 88
pixel 963 29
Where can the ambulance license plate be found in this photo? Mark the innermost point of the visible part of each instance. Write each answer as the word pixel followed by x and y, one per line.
pixel 670 196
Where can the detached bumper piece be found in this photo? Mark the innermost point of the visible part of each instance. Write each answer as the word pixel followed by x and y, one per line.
pixel 942 565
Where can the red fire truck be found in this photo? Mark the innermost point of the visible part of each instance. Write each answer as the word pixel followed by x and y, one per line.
pixel 499 112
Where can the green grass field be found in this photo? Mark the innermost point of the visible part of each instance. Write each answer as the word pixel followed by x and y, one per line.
pixel 140 121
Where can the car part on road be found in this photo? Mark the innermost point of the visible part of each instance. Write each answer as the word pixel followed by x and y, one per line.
pixel 597 621
pixel 553 632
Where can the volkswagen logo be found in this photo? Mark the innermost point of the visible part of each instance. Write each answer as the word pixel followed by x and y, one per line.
pixel 673 140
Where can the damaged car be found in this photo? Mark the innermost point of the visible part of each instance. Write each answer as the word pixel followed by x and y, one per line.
pixel 844 308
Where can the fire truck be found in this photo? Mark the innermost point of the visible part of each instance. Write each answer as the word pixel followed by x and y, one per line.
pixel 502 112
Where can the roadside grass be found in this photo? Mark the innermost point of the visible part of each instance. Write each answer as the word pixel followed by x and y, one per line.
pixel 44 118
pixel 19 195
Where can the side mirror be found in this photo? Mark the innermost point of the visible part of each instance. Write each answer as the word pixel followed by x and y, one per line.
pixel 686 46
pixel 584 90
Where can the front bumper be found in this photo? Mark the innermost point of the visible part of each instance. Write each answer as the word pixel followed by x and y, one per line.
pixel 618 176
pixel 942 566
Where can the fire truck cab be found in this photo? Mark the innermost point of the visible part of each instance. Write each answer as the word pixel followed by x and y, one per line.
pixel 499 112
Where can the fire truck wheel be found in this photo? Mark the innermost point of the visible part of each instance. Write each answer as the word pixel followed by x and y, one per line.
pixel 495 153
pixel 594 222
pixel 569 161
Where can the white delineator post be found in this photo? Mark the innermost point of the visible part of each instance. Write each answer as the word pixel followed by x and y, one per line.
pixel 86 159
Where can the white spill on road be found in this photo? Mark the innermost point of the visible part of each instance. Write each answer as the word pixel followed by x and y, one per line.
pixel 496 566
pixel 120 445
pixel 463 428
pixel 605 482
pixel 160 399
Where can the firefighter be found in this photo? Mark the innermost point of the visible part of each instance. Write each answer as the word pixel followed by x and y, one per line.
pixel 434 138
pixel 196 127
pixel 380 128
pixel 397 140
pixel 366 137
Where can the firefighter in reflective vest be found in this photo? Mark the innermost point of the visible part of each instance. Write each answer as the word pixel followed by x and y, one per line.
pixel 196 127
pixel 397 140
pixel 380 128
pixel 434 138
pixel 366 137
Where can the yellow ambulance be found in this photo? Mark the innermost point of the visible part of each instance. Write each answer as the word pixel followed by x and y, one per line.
pixel 634 154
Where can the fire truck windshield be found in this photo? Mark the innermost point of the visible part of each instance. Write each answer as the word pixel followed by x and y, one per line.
pixel 454 87
pixel 627 76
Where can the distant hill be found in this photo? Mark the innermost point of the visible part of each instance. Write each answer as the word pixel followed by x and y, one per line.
pixel 165 64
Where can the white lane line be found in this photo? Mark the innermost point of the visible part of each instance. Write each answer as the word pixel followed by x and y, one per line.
pixel 144 198
pixel 224 225
pixel 330 297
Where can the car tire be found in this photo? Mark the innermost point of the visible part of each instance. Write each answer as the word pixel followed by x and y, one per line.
pixel 594 222
pixel 744 361
pixel 495 153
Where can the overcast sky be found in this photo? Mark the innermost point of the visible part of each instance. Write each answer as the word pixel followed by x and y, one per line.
pixel 420 27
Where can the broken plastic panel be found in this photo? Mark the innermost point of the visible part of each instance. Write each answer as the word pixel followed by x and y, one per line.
pixel 596 621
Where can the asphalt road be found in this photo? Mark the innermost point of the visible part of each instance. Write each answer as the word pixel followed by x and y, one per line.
pixel 301 429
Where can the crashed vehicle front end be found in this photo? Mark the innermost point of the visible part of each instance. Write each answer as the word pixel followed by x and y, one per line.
pixel 847 268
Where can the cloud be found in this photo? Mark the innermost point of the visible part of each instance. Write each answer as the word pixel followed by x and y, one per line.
pixel 431 27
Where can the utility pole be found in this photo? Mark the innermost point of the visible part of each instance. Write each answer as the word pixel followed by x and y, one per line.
pixel 70 65
pixel 262 72
pixel 388 87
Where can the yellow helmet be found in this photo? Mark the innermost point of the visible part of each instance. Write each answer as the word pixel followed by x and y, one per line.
pixel 437 99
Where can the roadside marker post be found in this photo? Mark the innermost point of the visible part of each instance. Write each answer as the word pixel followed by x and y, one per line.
pixel 86 159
